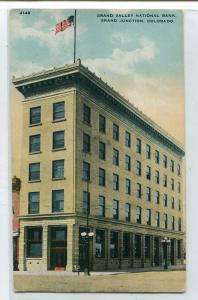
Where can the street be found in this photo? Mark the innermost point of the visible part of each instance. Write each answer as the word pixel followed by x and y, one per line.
pixel 158 281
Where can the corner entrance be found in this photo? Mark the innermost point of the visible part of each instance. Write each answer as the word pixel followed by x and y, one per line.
pixel 58 248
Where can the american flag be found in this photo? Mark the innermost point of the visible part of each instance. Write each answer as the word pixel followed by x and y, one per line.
pixel 64 24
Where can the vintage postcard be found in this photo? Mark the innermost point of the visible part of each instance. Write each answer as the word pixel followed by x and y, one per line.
pixel 98 150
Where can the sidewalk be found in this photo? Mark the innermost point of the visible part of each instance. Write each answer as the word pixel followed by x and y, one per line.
pixel 100 273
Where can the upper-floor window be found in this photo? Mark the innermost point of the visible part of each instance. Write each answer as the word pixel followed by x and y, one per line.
pixel 34 171
pixel 157 177
pixel 86 114
pixel 127 139
pixel 138 215
pixel 102 124
pixel 86 143
pixel 179 224
pixel 35 115
pixel 127 212
pixel 58 169
pixel 138 190
pixel 178 170
pixel 148 216
pixel 179 204
pixel 115 132
pixel 115 182
pixel 33 202
pixel 165 180
pixel 172 202
pixel 102 150
pixel 172 165
pixel 172 184
pixel 157 156
pixel 86 202
pixel 127 162
pixel 34 241
pixel 165 220
pixel 164 200
pixel 138 168
pixel 148 193
pixel 115 157
pixel 138 146
pixel 101 205
pixel 148 172
pixel 115 209
pixel 58 111
pixel 58 201
pixel 148 151
pixel 179 187
pixel 34 143
pixel 58 139
pixel 157 219
pixel 128 186
pixel 164 161
pixel 86 171
pixel 172 222
pixel 102 176
pixel 157 197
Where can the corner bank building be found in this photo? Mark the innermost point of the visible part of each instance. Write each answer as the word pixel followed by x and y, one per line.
pixel 93 163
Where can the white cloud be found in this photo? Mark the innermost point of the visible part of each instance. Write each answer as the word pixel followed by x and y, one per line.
pixel 122 38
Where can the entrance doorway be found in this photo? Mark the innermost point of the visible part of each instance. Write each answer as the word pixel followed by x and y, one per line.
pixel 156 251
pixel 172 254
pixel 58 248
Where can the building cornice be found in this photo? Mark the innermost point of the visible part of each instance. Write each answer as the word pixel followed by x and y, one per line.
pixel 78 75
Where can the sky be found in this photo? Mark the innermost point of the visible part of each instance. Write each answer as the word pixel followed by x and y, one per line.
pixel 142 61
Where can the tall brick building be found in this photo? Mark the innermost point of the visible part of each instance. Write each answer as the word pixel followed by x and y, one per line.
pixel 91 159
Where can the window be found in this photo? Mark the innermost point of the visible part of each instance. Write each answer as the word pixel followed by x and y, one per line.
pixel 128 186
pixel 34 143
pixel 86 143
pixel 172 202
pixel 157 219
pixel 58 201
pixel 127 139
pixel 33 202
pixel 179 204
pixel 147 246
pixel 164 161
pixel 102 124
pixel 179 224
pixel 165 220
pixel 58 111
pixel 58 140
pixel 172 166
pixel 115 182
pixel 157 156
pixel 138 168
pixel 115 132
pixel 101 204
pixel 138 215
pixel 179 187
pixel 148 193
pixel 101 177
pixel 138 246
pixel 100 243
pixel 127 212
pixel 35 115
pixel 102 151
pixel 126 244
pixel 172 184
pixel 157 177
pixel 138 146
pixel 58 169
pixel 86 114
pixel 139 190
pixel 86 202
pixel 115 209
pixel 86 171
pixel 148 216
pixel 178 170
pixel 148 172
pixel 157 197
pixel 165 180
pixel 115 157
pixel 34 242
pixel 34 171
pixel 127 163
pixel 164 200
pixel 148 151
pixel 113 244
pixel 179 249
pixel 173 223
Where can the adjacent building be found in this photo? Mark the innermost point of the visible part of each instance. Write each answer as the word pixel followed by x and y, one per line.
pixel 92 160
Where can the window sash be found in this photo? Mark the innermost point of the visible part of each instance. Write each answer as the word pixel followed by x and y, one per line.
pixel 87 114
pixel 58 201
pixel 58 169
pixel 102 124
pixel 58 140
pixel 58 110
pixel 101 177
pixel 34 141
pixel 35 115
pixel 34 171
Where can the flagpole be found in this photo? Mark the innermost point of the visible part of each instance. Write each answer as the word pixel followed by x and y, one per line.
pixel 75 36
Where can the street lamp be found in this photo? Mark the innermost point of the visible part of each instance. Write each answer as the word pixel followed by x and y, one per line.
pixel 166 242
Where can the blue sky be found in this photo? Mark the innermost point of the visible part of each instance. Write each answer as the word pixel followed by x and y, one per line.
pixel 144 62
